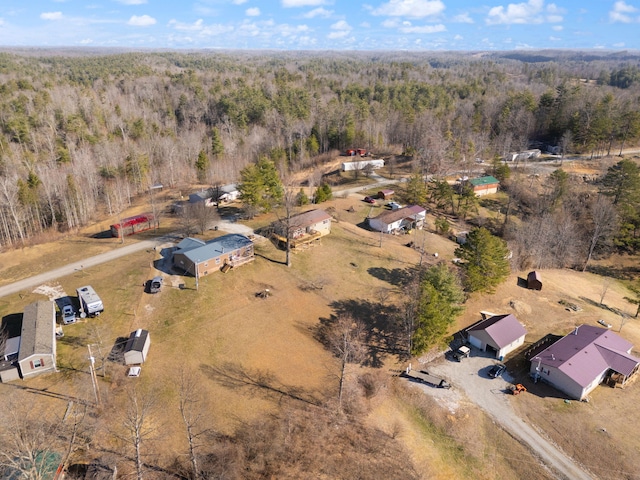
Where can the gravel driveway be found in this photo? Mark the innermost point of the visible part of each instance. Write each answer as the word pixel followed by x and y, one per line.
pixel 470 381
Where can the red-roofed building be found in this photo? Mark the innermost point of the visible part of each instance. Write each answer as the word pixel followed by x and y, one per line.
pixel 500 334
pixel 578 362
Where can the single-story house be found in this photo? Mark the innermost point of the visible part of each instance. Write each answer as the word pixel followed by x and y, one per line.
pixel 484 185
pixel 205 196
pixel 304 227
pixel 534 280
pixel 226 193
pixel 137 347
pixel 38 339
pixel 199 258
pixel 578 362
pixel 394 221
pixel 500 334
pixel 386 194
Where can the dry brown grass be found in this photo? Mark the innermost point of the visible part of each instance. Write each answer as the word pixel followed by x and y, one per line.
pixel 254 355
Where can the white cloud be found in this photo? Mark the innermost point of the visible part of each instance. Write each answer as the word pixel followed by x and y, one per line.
pixel 531 12
pixel 302 3
pixel 86 41
pixel 425 29
pixel 132 2
pixel 619 45
pixel 51 15
pixel 252 12
pixel 239 2
pixel 621 13
pixel 141 21
pixel 410 8
pixel 338 34
pixel 558 28
pixel 390 23
pixel 554 39
pixel 186 27
pixel 341 25
pixel 463 18
pixel 458 37
pixel 318 12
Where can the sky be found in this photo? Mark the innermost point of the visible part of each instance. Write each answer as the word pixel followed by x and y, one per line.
pixel 410 25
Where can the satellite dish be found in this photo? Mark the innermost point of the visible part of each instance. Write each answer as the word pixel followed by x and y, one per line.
pixel 83 315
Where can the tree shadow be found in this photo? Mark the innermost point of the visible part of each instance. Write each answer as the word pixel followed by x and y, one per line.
pixel 383 332
pixel 604 306
pixel 398 277
pixel 236 376
pixel 613 271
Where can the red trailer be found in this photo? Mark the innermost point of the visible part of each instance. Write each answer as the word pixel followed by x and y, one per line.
pixel 133 225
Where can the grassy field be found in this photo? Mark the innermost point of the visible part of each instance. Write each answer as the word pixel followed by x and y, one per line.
pixel 251 354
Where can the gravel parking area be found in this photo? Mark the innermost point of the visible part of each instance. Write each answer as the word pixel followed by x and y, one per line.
pixel 470 382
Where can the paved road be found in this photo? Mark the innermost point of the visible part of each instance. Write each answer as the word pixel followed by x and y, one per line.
pixel 31 282
pixel 469 379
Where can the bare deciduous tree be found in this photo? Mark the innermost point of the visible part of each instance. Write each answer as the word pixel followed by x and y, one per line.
pixel 193 415
pixel 345 339
pixel 137 424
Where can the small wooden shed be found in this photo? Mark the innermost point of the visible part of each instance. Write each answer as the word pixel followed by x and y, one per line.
pixel 534 280
pixel 386 194
pixel 137 347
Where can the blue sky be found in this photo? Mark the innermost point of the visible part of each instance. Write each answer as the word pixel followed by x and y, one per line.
pixel 323 24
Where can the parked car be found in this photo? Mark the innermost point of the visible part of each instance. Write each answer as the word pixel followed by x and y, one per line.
pixel 394 205
pixel 369 199
pixel 134 371
pixel 604 324
pixel 68 314
pixel 155 285
pixel 497 370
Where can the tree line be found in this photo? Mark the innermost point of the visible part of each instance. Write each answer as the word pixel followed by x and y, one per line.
pixel 82 134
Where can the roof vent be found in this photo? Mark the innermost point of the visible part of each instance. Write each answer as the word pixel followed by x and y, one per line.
pixel 138 332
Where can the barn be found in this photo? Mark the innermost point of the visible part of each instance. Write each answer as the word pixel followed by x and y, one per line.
pixel 197 258
pixel 534 280
pixel 38 339
pixel 137 347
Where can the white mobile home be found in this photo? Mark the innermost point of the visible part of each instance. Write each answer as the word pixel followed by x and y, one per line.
pixel 38 339
pixel 360 165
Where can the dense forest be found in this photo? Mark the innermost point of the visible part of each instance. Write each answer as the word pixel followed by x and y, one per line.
pixel 83 133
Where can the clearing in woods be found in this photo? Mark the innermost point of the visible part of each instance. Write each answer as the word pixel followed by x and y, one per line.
pixel 251 351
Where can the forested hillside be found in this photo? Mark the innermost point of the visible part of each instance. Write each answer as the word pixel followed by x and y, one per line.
pixel 83 133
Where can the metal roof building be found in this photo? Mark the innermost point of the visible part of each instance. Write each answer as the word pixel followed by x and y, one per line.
pixel 197 258
pixel 38 339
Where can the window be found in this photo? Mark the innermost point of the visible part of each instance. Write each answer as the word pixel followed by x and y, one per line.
pixel 37 363
pixel 218 261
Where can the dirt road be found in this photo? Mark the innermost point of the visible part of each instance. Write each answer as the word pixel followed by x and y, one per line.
pixel 31 282
pixel 470 381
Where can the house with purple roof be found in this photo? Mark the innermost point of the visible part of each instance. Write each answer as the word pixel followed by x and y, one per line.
pixel 498 334
pixel 578 362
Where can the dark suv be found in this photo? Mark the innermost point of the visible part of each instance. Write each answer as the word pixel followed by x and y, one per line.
pixel 496 370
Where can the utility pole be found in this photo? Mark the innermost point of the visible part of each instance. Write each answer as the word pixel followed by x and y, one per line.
pixel 94 378
pixel 197 275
